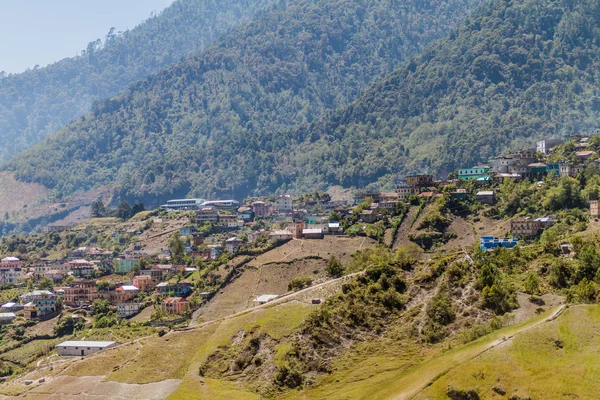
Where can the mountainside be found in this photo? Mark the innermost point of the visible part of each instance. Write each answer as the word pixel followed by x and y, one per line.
pixel 38 102
pixel 513 72
pixel 212 124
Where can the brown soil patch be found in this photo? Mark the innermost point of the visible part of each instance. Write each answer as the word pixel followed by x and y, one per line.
pixel 404 230
pixel 527 308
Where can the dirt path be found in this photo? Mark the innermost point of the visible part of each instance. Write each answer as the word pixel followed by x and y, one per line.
pixel 412 382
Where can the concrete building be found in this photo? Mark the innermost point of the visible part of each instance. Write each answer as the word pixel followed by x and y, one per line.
pixel 312 233
pixel 7 318
pixel 419 180
pixel 286 204
pixel 39 303
pixel 281 235
pixel 143 282
pixel 233 244
pixel 544 146
pixel 486 196
pixel 207 214
pixel 81 348
pixel 126 310
pixel 80 292
pixel 476 172
pixel 263 299
pixel 124 293
pixel 262 209
pixel 223 204
pixel 175 305
pixel 490 243
pixel 594 211
pixel 183 204
pixel 405 191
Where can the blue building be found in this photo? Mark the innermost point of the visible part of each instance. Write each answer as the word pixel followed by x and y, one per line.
pixel 490 243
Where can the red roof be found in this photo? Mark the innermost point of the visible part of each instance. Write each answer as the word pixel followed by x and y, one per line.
pixel 170 300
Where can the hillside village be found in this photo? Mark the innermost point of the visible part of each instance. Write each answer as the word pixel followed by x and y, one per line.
pixel 190 261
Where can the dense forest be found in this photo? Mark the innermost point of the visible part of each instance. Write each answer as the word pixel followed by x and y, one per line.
pixel 40 101
pixel 212 125
pixel 513 72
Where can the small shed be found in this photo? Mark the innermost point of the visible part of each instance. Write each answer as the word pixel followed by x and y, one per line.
pixel 82 348
pixel 265 298
pixel 486 196
pixel 312 233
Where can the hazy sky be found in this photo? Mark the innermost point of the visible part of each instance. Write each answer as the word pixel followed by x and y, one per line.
pixel 43 31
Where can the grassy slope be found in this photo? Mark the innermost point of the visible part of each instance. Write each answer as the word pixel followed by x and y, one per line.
pixel 532 365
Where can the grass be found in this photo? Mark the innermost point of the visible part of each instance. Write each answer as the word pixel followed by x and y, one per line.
pixel 559 357
pixel 277 322
pixel 387 375
pixel 30 352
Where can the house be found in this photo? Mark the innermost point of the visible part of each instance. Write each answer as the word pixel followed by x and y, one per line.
pixel 405 191
pixel 57 276
pixel 215 251
pixel 175 305
pixel 501 164
pixel 334 228
pixel 126 310
pixel 233 244
pixel 262 209
pixel 369 216
pixel 183 204
pixel 479 171
pixel 126 264
pixel 263 299
pixel 525 227
pixel 490 243
pixel 56 228
pixel 584 155
pixel 82 268
pixel 286 203
pixel 486 196
pixel 39 303
pixel 390 206
pixel 12 307
pixel 314 233
pixel 81 348
pixel 143 282
pixel 187 231
pixel 182 288
pixel 594 211
pixel 553 168
pixel 207 215
pixel 419 180
pixel 124 293
pixel 459 194
pixel 537 170
pixel 566 169
pixel 10 262
pixel 245 214
pixel 80 292
pixel 281 235
pixel 7 318
pixel 544 146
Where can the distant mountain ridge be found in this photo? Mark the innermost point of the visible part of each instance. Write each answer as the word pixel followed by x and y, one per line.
pixel 216 123
pixel 37 102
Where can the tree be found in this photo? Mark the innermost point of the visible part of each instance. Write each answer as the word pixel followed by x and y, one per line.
pixel 335 268
pixel 124 210
pixel 98 209
pixel 177 249
pixel 532 284
pixel 45 284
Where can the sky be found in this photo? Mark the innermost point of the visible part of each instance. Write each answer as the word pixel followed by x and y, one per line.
pixel 39 32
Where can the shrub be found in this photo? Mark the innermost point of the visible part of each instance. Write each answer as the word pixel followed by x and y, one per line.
pixel 299 283
pixel 335 268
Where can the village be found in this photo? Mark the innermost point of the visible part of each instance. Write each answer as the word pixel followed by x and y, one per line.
pixel 92 282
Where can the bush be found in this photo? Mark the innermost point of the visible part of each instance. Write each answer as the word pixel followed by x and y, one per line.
pixel 335 268
pixel 299 283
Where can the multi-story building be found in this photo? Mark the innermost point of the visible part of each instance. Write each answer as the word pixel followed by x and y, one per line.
pixel 11 270
pixel 286 203
pixel 182 288
pixel 124 293
pixel 476 172
pixel 175 305
pixel 82 268
pixel 80 292
pixel 39 303
pixel 126 310
pixel 405 191
pixel 223 204
pixel 544 146
pixel 262 209
pixel 207 214
pixel 143 282
pixel 183 204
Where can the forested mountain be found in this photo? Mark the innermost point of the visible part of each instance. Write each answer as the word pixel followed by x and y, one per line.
pixel 514 71
pixel 214 123
pixel 38 102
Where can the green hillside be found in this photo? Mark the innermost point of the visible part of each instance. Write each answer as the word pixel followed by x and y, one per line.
pixel 513 72
pixel 37 102
pixel 213 124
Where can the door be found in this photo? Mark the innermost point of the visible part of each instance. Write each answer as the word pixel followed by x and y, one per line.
pixel 82 353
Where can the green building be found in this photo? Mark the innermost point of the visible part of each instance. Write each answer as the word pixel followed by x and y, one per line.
pixel 477 172
pixel 125 265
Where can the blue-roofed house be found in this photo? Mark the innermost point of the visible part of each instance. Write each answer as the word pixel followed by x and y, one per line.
pixel 491 243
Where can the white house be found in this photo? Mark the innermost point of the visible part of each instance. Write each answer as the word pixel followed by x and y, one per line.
pixel 263 299
pixel 82 347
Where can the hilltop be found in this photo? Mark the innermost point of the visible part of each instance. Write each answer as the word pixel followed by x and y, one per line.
pixel 38 102
pixel 213 123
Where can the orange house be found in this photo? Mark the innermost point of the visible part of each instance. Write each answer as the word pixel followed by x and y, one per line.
pixel 175 305
pixel 143 282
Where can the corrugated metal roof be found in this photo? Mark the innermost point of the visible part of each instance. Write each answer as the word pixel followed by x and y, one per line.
pixel 85 343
